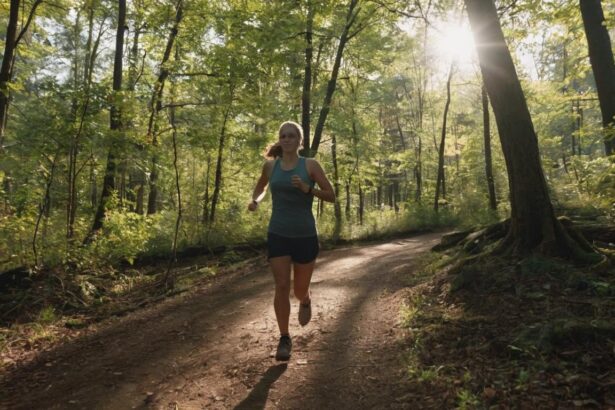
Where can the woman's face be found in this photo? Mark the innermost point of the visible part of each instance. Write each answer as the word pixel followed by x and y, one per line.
pixel 289 139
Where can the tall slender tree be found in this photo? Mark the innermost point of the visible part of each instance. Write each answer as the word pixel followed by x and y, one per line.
pixel 115 121
pixel 351 18
pixel 156 106
pixel 306 94
pixel 441 181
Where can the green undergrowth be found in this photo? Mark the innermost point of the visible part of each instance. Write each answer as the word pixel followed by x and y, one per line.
pixel 534 333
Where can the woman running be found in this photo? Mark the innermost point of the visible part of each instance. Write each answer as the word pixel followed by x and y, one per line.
pixel 292 239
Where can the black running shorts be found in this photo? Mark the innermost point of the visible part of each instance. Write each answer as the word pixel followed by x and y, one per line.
pixel 300 250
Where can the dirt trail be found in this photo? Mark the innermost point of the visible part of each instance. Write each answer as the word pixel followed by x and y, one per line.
pixel 212 348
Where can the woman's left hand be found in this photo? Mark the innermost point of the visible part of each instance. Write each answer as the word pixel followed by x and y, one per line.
pixel 298 183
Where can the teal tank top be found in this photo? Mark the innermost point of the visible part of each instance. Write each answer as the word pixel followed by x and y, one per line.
pixel 291 214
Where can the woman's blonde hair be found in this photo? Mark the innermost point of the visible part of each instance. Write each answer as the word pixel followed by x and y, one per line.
pixel 275 151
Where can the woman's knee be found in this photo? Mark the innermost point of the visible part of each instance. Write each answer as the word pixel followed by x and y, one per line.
pixel 282 288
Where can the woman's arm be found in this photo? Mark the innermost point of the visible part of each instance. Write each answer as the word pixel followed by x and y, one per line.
pixel 317 174
pixel 261 185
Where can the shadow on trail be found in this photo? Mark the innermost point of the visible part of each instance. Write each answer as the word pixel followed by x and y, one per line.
pixel 258 396
pixel 348 368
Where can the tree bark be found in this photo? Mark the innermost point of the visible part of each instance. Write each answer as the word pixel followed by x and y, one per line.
pixel 603 66
pixel 487 139
pixel 115 122
pixel 533 224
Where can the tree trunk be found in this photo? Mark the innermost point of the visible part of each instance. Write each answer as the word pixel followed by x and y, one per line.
pixel 603 66
pixel 93 186
pixel 206 194
pixel 218 181
pixel 11 42
pixel 169 279
pixel 115 121
pixel 156 105
pixel 44 206
pixel 440 182
pixel 533 223
pixel 7 61
pixel 136 184
pixel 487 138
pixel 402 140
pixel 336 187
pixel 351 17
pixel 348 200
pixel 89 61
pixel 361 204
pixel 307 79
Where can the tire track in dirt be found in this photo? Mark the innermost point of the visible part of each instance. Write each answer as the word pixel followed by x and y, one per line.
pixel 212 348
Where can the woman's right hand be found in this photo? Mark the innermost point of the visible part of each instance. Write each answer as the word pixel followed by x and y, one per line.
pixel 252 206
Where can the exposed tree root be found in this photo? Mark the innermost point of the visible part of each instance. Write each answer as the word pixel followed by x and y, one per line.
pixel 569 241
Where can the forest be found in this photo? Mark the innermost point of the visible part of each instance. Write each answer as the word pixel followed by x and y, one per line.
pixel 132 134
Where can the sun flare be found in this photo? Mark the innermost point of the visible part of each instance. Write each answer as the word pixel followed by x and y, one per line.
pixel 455 41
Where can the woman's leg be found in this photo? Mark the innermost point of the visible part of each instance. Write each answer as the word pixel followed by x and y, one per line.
pixel 302 278
pixel 280 267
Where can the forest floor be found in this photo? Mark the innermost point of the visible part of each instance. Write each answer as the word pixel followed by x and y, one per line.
pixel 386 333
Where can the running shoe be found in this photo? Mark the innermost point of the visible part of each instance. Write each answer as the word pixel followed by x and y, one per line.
pixel 284 347
pixel 305 313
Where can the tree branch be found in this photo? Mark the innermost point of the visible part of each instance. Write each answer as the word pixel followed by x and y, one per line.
pixel 24 29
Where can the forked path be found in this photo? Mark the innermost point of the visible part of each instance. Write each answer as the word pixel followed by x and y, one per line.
pixel 212 348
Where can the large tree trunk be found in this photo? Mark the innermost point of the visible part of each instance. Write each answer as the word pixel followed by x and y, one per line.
pixel 603 66
pixel 156 106
pixel 307 80
pixel 115 121
pixel 487 138
pixel 533 224
pixel 351 18
pixel 440 181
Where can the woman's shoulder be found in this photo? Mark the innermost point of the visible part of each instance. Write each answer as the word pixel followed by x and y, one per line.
pixel 311 162
pixel 268 165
